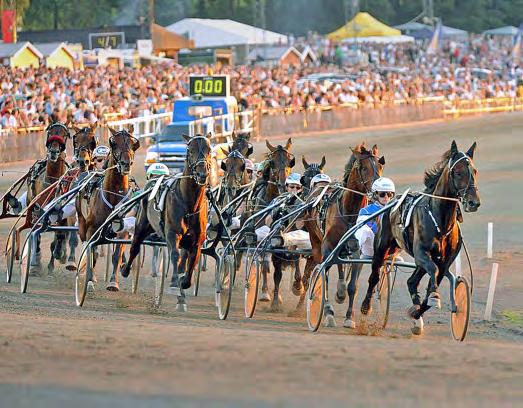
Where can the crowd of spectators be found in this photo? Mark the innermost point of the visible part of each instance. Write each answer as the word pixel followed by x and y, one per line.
pixel 367 74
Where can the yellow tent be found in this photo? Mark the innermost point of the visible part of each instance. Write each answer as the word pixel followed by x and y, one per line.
pixel 363 25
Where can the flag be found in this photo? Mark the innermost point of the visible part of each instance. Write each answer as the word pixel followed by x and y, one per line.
pixel 9 26
pixel 436 39
pixel 516 44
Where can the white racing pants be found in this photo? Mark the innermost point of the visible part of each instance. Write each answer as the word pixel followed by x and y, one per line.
pixel 129 224
pixel 365 237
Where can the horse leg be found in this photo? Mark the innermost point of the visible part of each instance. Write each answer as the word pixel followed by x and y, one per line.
pixel 173 245
pixel 299 311
pixel 352 292
pixel 341 290
pixel 265 297
pixel 36 258
pixel 112 285
pixel 424 260
pixel 277 300
pixel 297 286
pixel 50 265
pixel 73 244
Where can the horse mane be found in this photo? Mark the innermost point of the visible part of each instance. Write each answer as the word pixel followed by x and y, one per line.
pixel 432 175
pixel 361 148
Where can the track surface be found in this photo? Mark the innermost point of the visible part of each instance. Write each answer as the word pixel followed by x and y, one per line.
pixel 117 351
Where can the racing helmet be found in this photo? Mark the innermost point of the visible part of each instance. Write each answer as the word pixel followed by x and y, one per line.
pixel 156 170
pixel 383 184
pixel 101 151
pixel 293 178
pixel 320 178
pixel 249 165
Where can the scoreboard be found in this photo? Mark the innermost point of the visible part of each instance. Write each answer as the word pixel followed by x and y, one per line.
pixel 213 86
pixel 106 40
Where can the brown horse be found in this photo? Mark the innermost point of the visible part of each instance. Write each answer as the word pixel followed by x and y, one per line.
pixel 235 177
pixel 363 168
pixel 93 210
pixel 182 221
pixel 45 173
pixel 432 236
pixel 84 143
pixel 242 144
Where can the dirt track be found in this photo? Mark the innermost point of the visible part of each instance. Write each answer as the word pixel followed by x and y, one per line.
pixel 116 351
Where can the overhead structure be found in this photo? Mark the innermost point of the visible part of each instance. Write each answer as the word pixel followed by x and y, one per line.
pixel 168 42
pixel 424 31
pixel 363 25
pixel 506 31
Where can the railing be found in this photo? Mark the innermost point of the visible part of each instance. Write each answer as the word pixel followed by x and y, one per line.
pixel 459 107
pixel 223 125
pixel 143 126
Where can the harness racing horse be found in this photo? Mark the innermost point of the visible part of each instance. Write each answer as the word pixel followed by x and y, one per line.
pixel 43 174
pixel 432 236
pixel 84 143
pixel 277 166
pixel 112 189
pixel 342 208
pixel 283 260
pixel 181 220
pixel 242 144
pixel 234 179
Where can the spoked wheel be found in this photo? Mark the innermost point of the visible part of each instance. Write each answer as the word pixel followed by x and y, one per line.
pixel 83 275
pixel 10 255
pixel 162 263
pixel 109 251
pixel 459 320
pixel 224 283
pixel 316 298
pixel 202 263
pixel 382 298
pixel 25 263
pixel 252 283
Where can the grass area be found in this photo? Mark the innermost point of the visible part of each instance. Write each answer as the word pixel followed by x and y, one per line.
pixel 514 317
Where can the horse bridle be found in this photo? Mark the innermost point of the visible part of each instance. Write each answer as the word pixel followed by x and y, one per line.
pixel 460 193
pixel 375 174
pixel 236 154
pixel 48 136
pixel 314 167
pixel 279 148
pixel 131 138
pixel 82 148
pixel 202 158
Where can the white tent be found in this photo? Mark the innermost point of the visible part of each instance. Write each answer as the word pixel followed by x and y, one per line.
pixel 509 31
pixel 222 33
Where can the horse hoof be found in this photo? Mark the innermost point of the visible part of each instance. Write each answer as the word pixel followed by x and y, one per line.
pixel 125 270
pixel 330 321
pixel 366 308
pixel 341 292
pixel 275 307
pixel 434 300
pixel 185 282
pixel 70 267
pixel 297 288
pixel 174 290
pixel 112 287
pixel 349 324
pixel 181 307
pixel 265 297
pixel 417 326
pixel 412 311
pixel 90 287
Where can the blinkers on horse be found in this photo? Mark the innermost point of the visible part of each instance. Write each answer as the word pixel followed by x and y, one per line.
pixel 123 146
pixel 56 137
pixel 198 162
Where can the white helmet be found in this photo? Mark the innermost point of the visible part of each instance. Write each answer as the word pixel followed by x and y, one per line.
pixel 157 169
pixel 101 151
pixel 293 178
pixel 383 184
pixel 320 178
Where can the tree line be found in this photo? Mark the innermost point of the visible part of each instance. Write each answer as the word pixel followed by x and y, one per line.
pixel 285 16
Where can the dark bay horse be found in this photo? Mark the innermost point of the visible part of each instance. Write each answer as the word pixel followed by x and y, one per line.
pixel 277 166
pixel 182 221
pixel 432 237
pixel 235 177
pixel 242 144
pixel 281 261
pixel 93 210
pixel 362 169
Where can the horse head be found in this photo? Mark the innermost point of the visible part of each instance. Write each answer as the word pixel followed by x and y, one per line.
pixel 123 146
pixel 463 177
pixel 56 138
pixel 281 161
pixel 241 143
pixel 198 160
pixel 311 169
pixel 234 169
pixel 84 143
pixel 364 167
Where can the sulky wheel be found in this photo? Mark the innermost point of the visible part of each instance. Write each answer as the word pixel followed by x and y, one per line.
pixel 316 298
pixel 25 262
pixel 224 283
pixel 202 262
pixel 162 262
pixel 84 274
pixel 252 283
pixel 10 255
pixel 381 298
pixel 459 320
